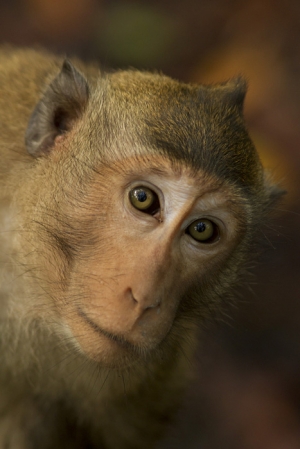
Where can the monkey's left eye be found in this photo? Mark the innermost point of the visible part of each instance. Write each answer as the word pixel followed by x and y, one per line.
pixel 144 200
pixel 203 230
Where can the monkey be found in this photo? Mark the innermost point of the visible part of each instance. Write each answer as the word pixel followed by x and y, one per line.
pixel 129 203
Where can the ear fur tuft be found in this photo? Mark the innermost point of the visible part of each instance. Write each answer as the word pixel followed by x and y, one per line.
pixel 234 92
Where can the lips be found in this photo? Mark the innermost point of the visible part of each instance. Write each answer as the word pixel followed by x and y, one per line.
pixel 118 339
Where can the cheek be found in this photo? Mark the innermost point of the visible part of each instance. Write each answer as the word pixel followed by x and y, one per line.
pixel 125 304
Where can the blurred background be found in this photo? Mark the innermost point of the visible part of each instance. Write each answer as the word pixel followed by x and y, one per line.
pixel 247 391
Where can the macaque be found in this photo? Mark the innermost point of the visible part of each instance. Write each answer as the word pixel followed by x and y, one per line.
pixel 128 204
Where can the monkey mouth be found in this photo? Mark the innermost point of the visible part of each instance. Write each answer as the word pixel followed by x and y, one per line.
pixel 117 339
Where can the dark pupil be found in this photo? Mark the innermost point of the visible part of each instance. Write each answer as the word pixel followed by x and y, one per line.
pixel 141 196
pixel 200 227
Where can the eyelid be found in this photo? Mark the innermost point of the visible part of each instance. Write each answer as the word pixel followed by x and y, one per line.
pixel 153 208
pixel 211 239
pixel 198 215
pixel 144 183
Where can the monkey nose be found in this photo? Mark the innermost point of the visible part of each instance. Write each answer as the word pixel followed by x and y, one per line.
pixel 143 301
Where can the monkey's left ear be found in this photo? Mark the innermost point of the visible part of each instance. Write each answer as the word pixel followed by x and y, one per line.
pixel 62 103
pixel 234 92
pixel 274 192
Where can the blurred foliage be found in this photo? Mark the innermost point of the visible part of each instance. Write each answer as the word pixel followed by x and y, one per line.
pixel 60 18
pixel 137 34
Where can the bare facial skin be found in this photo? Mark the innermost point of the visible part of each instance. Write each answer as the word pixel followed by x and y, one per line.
pixel 131 300
pixel 129 203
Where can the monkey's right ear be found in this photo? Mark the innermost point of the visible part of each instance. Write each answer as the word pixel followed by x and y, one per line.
pixel 61 105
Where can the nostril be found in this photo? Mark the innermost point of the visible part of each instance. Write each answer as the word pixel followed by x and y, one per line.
pixel 144 303
pixel 153 305
pixel 132 296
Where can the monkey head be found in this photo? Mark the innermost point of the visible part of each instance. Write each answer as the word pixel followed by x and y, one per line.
pixel 143 194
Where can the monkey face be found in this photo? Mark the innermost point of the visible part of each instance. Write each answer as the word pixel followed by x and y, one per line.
pixel 157 231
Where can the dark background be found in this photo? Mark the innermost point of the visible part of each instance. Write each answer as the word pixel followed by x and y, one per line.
pixel 247 391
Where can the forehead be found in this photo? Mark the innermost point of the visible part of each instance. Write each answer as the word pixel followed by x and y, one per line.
pixel 161 169
pixel 199 126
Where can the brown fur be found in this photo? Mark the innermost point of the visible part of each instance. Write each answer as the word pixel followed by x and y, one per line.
pixel 65 379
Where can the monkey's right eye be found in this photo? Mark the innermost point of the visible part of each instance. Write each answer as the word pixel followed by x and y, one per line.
pixel 144 200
